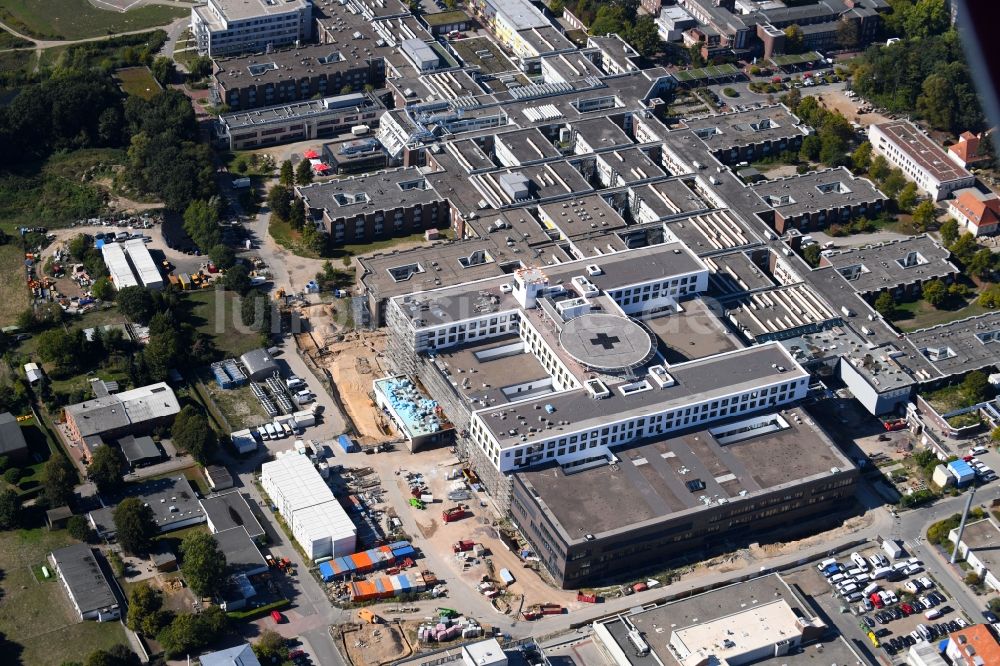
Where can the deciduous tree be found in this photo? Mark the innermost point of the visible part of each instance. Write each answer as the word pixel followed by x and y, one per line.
pixel 203 563
pixel 135 526
pixel 59 481
pixel 105 469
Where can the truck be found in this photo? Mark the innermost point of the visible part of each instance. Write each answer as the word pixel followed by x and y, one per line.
pixel 551 609
pixel 892 549
pixel 586 598
pixel 453 514
pixel 506 577
pixel 463 546
pixel 369 616
pixel 347 444
pixel 360 130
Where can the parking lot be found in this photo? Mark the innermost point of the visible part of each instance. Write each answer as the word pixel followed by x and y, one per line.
pixel 893 602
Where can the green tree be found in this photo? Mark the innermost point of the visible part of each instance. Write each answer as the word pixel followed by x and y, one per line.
pixel 975 387
pixel 811 254
pixel 848 35
pixel 79 528
pixel 949 231
pixel 811 145
pixel 297 214
pixel 192 433
pixel 794 39
pixel 190 633
pixel 163 70
pixel 935 292
pixel 644 36
pixel 279 200
pixel 201 222
pixel 10 509
pixel 145 614
pixel 256 313
pixel 270 647
pixel 924 214
pixel 879 169
pixel 964 248
pixel 102 289
pixel 926 18
pixel 304 172
pixel 63 348
pixel 136 303
pixel 833 150
pixel 203 564
pixel 861 158
pixel 222 256
pixel 936 101
pixel 135 526
pixel 117 655
pixel 200 66
pixel 237 279
pixel 989 297
pixel 13 475
pixel 994 604
pixel 982 263
pixel 105 469
pixel 893 183
pixel 287 175
pixel 907 198
pixel 885 304
pixel 59 481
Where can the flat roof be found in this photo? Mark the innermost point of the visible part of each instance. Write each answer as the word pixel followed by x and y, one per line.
pixel 669 197
pixel 283 113
pixel 483 53
pixel 632 164
pixel 743 128
pixel 696 381
pixel 519 14
pixel 242 554
pixel 445 18
pixel 693 333
pixel 735 272
pixel 922 151
pixel 348 197
pixel 527 145
pixel 231 509
pixel 588 215
pixel 574 65
pixel 651 481
pixel 118 410
pixel 658 624
pixel 817 191
pixel 873 268
pixel 508 370
pixel 137 449
pixel 607 342
pixel 959 346
pixel 292 64
pixel 601 133
pixel 84 578
pixel 171 499
pixel 236 10
pixel 707 233
pixel 983 537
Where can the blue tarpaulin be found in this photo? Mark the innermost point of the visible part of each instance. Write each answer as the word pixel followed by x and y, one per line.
pixel 326 571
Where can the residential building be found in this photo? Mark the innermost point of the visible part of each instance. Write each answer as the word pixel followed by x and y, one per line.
pixel 223 27
pixel 975 212
pixel 85 583
pixel 296 75
pixel 12 443
pixel 921 160
pixel 299 121
pixel 135 412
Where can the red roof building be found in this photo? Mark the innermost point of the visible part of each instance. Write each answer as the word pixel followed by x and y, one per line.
pixel 973 646
pixel 966 151
pixel 977 215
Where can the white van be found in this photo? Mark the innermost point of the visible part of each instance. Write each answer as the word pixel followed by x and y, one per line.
pixel 825 563
pixel 873 587
pixel 837 578
pixel 271 431
pixel 850 589
pixel 924 632
pixel 933 614
pixel 860 561
pixel 264 434
pixel 854 571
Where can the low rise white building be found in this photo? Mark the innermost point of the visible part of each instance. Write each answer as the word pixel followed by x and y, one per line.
pixel 318 522
pixel 920 159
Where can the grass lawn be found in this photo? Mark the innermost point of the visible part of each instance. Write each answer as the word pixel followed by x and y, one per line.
pixel 40 447
pixel 139 82
pixel 36 617
pixel 946 399
pixel 12 283
pixel 9 41
pixel 919 314
pixel 239 406
pixel 173 539
pixel 289 238
pixel 78 19
pixel 385 244
pixel 216 313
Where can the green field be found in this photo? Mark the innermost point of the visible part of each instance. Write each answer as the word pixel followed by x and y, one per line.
pixel 36 618
pixel 11 61
pixel 78 19
pixel 9 41
pixel 12 284
pixel 139 82
pixel 915 315
pixel 218 319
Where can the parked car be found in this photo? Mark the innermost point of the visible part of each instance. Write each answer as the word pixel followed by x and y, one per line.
pixel 277 617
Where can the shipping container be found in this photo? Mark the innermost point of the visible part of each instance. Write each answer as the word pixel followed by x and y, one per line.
pixel 506 577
